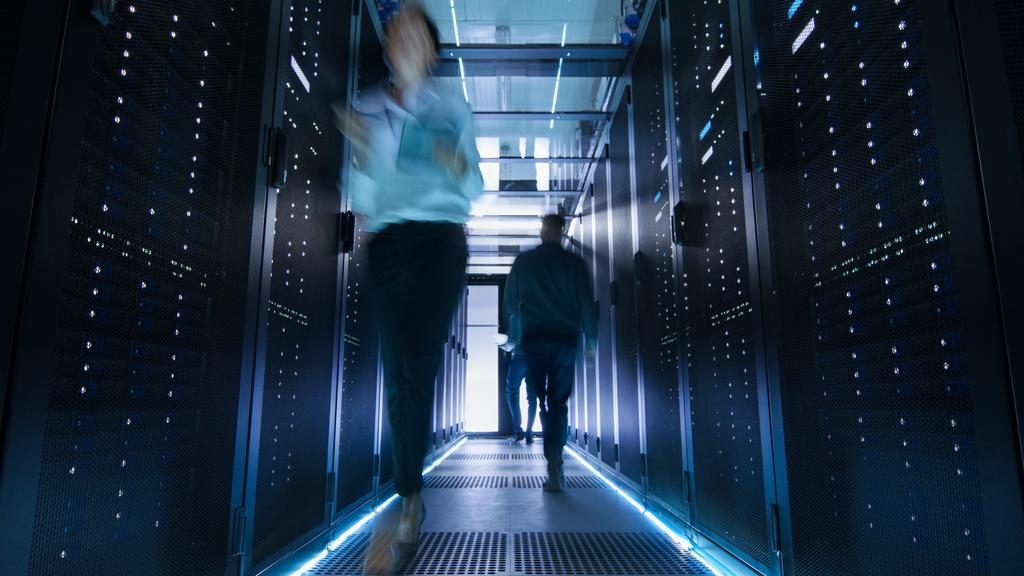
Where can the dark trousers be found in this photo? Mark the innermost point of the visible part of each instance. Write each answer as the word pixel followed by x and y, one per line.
pixel 417 274
pixel 513 382
pixel 551 370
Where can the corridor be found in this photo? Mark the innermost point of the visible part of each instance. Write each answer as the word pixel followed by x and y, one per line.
pixel 487 515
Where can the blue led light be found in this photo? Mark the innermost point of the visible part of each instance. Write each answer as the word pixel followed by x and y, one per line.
pixel 334 544
pixel 707 128
pixel 794 7
pixel 757 56
pixel 681 541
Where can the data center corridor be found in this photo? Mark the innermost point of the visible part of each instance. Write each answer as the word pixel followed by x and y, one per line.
pixel 487 515
pixel 801 221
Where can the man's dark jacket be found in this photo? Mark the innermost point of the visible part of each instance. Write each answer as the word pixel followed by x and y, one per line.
pixel 549 295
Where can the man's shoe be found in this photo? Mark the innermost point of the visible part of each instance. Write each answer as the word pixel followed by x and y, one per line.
pixel 520 436
pixel 529 437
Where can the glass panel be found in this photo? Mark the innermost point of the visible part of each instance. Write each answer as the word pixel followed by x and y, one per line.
pixel 530 93
pixel 526 21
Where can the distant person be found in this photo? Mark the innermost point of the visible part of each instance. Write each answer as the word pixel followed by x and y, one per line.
pixel 416 171
pixel 513 383
pixel 549 292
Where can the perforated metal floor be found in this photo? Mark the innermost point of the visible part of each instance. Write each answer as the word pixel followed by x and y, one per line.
pixel 487 516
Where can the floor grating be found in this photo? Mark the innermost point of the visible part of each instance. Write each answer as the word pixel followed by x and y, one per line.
pixel 439 554
pixel 455 482
pixel 601 553
pixel 570 482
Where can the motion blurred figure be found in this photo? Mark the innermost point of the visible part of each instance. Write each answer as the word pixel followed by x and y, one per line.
pixel 513 382
pixel 415 173
pixel 549 294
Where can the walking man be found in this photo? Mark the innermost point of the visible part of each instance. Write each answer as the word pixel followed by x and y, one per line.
pixel 549 294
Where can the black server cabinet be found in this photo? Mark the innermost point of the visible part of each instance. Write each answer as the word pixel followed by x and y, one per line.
pixel 622 294
pixel 29 44
pixel 128 405
pixel 730 457
pixel 655 283
pixel 892 396
pixel 602 274
pixel 295 407
pixel 590 256
pixel 994 69
pixel 357 444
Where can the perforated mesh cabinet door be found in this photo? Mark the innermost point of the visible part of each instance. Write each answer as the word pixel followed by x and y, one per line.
pixel 655 281
pixel 591 248
pixel 360 341
pixel 624 309
pixel 720 328
pixel 298 378
pixel 141 385
pixel 880 386
pixel 602 274
pixel 1011 31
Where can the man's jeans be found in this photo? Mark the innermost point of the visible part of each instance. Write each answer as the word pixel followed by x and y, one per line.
pixel 513 382
pixel 550 371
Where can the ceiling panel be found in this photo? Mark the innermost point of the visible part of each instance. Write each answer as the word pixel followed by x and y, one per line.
pixel 527 21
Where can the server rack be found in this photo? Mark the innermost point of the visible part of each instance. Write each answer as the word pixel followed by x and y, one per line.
pixel 128 403
pixel 727 423
pixel 894 437
pixel 655 281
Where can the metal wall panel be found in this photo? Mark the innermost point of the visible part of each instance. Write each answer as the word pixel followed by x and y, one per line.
pixel 899 447
pixel 623 300
pixel 141 278
pixel 291 486
pixel 720 327
pixel 656 286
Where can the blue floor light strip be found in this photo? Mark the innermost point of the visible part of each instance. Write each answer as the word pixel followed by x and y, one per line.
pixel 334 544
pixel 680 540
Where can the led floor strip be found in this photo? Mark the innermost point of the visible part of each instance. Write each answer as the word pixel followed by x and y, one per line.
pixel 680 540
pixel 334 544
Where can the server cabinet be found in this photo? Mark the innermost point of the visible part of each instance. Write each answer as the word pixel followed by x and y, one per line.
pixel 29 44
pixel 655 282
pixel 892 395
pixel 729 441
pixel 622 294
pixel 589 238
pixel 603 274
pixel 994 70
pixel 357 436
pixel 129 399
pixel 294 410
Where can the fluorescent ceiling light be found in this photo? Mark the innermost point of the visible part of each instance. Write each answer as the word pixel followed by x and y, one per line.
pixel 499 210
pixel 522 225
pixel 488 269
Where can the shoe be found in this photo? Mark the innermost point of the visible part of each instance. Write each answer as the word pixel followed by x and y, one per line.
pixel 556 478
pixel 529 437
pixel 520 436
pixel 414 512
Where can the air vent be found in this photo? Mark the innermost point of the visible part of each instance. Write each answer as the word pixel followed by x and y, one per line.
pixel 447 482
pixel 439 554
pixel 471 456
pixel 605 553
pixel 570 481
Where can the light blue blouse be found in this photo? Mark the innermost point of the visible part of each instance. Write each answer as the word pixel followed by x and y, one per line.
pixel 400 181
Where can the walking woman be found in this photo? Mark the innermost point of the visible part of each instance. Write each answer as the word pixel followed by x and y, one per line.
pixel 417 170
